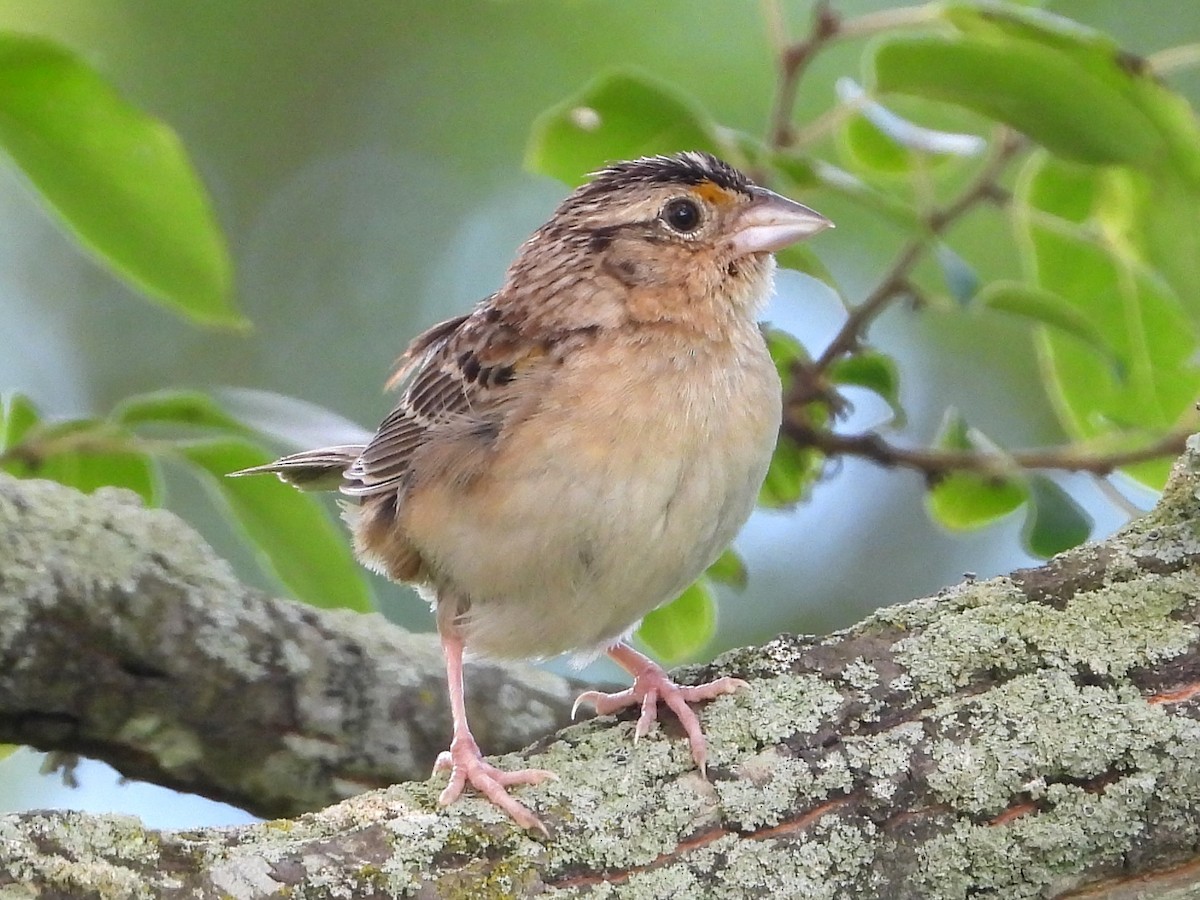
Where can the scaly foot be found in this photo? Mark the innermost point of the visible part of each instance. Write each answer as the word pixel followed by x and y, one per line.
pixel 651 683
pixel 467 766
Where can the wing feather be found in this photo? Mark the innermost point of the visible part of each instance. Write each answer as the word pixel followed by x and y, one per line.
pixel 460 379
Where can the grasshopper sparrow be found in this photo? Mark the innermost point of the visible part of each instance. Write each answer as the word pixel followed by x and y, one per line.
pixel 579 447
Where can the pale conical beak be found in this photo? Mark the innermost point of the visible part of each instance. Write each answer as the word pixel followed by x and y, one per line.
pixel 772 222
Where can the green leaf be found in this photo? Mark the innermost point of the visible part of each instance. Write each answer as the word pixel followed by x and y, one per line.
pixel 85 454
pixel 963 500
pixel 119 179
pixel 1081 112
pixel 880 139
pixel 1074 227
pixel 728 569
pixel 872 370
pixel 872 149
pixel 684 626
pixel 296 423
pixel 1055 522
pixel 990 18
pixel 296 539
pixel 89 469
pixel 620 115
pixel 1044 307
pixel 7 750
pixel 800 171
pixel 191 409
pixel 954 433
pixel 785 349
pixel 802 259
pixel 793 470
pixel 17 415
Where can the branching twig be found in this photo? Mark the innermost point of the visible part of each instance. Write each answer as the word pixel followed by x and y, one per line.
pixel 934 462
pixel 827 27
pixel 810 383
pixel 793 60
pixel 895 282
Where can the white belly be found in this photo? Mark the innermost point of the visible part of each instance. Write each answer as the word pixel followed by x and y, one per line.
pixel 597 526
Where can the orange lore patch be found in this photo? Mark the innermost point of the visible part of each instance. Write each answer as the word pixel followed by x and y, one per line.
pixel 713 193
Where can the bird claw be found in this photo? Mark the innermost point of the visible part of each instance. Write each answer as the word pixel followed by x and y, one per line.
pixel 467 766
pixel 652 684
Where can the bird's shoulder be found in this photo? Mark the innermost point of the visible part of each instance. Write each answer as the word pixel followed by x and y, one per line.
pixel 460 381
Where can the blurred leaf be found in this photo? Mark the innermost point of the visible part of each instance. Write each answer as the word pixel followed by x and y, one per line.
pixel 298 541
pixel 800 171
pixel 785 349
pixel 729 569
pixel 620 115
pixel 792 472
pixel 962 281
pixel 872 149
pixel 119 179
pixel 188 408
pixel 793 468
pixel 1055 31
pixel 1042 306
pixel 801 258
pixel 872 370
pixel 7 750
pixel 962 500
pixel 886 142
pixel 953 432
pixel 1096 54
pixel 966 500
pixel 17 415
pixel 294 422
pixel 88 469
pixel 1055 522
pixel 1077 112
pixel 871 198
pixel 684 626
pixel 85 454
pixel 1074 226
pixel 1164 230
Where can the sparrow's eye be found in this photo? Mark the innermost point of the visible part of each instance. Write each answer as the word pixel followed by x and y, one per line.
pixel 682 215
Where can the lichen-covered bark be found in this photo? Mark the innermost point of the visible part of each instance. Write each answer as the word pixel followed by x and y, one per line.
pixel 124 638
pixel 1036 735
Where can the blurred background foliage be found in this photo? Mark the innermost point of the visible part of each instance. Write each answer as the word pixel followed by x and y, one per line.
pixel 1015 198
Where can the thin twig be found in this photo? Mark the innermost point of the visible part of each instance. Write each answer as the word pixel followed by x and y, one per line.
pixel 792 62
pixel 934 462
pixel 895 282
pixel 1172 59
pixel 827 28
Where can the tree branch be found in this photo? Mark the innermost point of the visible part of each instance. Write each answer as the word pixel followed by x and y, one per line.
pixel 124 639
pixel 1031 735
pixel 935 462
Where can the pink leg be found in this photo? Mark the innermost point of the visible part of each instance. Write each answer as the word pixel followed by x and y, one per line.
pixel 650 684
pixel 466 763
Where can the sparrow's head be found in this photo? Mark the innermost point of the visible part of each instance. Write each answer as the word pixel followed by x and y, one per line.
pixel 665 237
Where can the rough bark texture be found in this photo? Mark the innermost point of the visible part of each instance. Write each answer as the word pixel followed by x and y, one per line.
pixel 1036 735
pixel 123 638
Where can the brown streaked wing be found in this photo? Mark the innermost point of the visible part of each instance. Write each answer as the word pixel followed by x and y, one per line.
pixel 458 372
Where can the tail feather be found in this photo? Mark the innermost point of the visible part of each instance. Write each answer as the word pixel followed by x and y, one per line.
pixel 312 470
